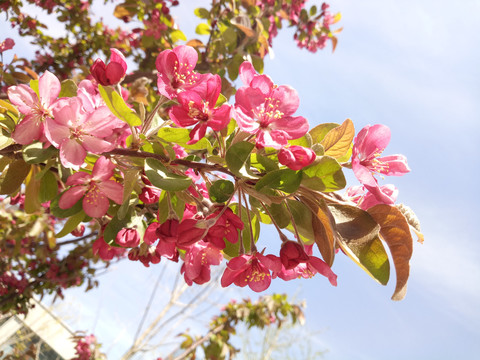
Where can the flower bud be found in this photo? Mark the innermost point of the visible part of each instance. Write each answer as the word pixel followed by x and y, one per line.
pixel 296 157
pixel 128 237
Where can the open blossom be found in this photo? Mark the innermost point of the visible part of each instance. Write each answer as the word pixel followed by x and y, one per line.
pixel 112 73
pixel 36 108
pixel 365 199
pixel 198 259
pixel 176 71
pixel 198 108
pixel 75 132
pixel 95 189
pixel 265 109
pixel 369 144
pixel 226 227
pixel 296 157
pixel 252 270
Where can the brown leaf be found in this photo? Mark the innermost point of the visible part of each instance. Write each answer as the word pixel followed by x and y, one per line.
pixel 395 231
pixel 30 72
pixel 338 140
pixel 195 43
pixel 243 23
pixel 323 225
pixel 16 173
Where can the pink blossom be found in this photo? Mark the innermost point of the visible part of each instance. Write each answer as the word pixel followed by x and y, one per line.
pixel 176 71
pixel 365 199
pixel 226 227
pixel 296 157
pixel 369 144
pixel 105 251
pixel 112 73
pixel 166 247
pixel 74 131
pixel 265 109
pixel 292 254
pixel 128 237
pixel 307 269
pixel 198 259
pixel 36 108
pixel 7 44
pixel 198 108
pixel 95 189
pixel 252 270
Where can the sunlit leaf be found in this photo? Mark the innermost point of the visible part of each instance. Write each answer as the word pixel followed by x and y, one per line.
pixel 221 191
pixel 118 107
pixel 395 231
pixel 324 175
pixel 337 141
pixel 284 179
pixel 162 178
pixel 238 159
pixel 71 224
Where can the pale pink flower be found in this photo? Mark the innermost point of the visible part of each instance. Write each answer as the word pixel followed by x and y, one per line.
pixel 95 189
pixel 252 270
pixel 112 73
pixel 75 132
pixel 176 71
pixel 296 157
pixel 35 108
pixel 369 144
pixel 198 108
pixel 365 199
pixel 265 109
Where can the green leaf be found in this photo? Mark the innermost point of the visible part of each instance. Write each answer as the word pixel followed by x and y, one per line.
pixel 263 163
pixel 234 65
pixel 177 35
pixel 130 179
pixel 305 141
pixel 221 191
pixel 160 177
pixel 284 179
pixel 238 159
pixel 32 191
pixel 181 136
pixel 48 187
pixel 17 172
pixel 34 86
pixel 64 213
pixel 118 107
pixel 69 88
pixel 177 204
pixel 303 220
pixel 71 224
pixel 324 175
pixel 360 241
pixel 202 29
pixel 132 220
pixel 202 13
pixel 318 132
pixel 35 153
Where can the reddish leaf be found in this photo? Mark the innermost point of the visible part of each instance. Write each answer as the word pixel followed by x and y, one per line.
pixel 395 231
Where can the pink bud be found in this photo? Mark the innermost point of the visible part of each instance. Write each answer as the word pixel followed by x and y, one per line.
pixel 128 237
pixel 112 73
pixel 296 157
pixel 7 44
pixel 291 254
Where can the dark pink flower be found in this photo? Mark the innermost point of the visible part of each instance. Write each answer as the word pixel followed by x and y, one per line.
pixel 226 227
pixel 36 108
pixel 198 259
pixel 296 157
pixel 7 44
pixel 176 71
pixel 95 189
pixel 369 144
pixel 128 237
pixel 112 73
pixel 308 269
pixel 292 254
pixel 252 270
pixel 105 251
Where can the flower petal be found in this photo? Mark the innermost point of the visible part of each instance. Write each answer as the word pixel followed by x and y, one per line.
pixel 112 190
pixel 95 203
pixel 48 87
pixel 71 196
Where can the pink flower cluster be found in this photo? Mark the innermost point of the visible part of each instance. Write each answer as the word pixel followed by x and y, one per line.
pixel 85 347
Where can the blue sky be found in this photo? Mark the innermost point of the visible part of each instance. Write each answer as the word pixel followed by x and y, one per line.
pixel 414 66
